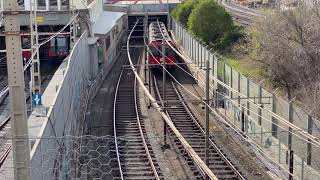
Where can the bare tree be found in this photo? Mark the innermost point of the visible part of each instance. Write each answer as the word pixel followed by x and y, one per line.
pixel 289 47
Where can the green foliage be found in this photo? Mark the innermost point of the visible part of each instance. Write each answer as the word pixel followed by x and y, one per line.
pixel 210 22
pixel 182 11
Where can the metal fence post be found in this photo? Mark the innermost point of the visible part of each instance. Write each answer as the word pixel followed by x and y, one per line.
pixel 302 168
pixel 215 71
pixel 279 157
pixel 198 53
pixel 274 127
pixel 248 96
pixel 260 104
pixel 231 81
pixel 201 57
pixel 224 77
pixel 239 88
pixel 193 49
pixel 290 151
pixel 242 120
pixel 309 146
pixel 207 114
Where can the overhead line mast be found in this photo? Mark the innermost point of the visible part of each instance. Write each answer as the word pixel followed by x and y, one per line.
pixel 35 72
pixel 20 141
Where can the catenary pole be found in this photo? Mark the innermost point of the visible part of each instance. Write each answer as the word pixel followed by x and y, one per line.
pixel 36 76
pixel 20 142
pixel 164 89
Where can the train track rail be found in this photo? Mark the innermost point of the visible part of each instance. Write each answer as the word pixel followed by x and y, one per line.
pixel 6 147
pixel 241 14
pixel 135 155
pixel 193 132
pixel 5 126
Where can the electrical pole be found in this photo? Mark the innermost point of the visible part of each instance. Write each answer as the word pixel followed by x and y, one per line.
pixel 146 48
pixel 20 141
pixel 207 115
pixel 164 89
pixel 35 76
pixel 72 25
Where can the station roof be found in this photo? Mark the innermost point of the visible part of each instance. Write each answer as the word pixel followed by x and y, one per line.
pixel 106 21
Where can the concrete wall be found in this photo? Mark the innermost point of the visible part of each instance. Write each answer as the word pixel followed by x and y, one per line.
pixel 63 116
pixel 258 123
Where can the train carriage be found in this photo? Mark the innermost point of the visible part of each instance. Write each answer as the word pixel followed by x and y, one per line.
pixel 155 45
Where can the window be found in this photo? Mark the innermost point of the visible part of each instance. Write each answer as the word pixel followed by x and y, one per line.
pixel 62 42
pixel 170 52
pixel 154 51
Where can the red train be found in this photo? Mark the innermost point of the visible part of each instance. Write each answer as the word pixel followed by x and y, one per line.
pixel 155 45
pixel 56 49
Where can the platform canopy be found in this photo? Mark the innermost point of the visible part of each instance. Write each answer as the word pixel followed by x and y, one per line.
pixel 106 21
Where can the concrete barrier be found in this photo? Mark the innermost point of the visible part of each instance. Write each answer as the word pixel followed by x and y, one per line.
pixel 64 96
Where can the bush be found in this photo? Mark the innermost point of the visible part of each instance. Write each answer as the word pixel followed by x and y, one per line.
pixel 182 11
pixel 210 22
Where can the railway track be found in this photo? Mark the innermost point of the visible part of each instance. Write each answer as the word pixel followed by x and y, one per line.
pixel 6 144
pixel 243 15
pixel 3 78
pixel 135 155
pixel 193 132
pixel 5 125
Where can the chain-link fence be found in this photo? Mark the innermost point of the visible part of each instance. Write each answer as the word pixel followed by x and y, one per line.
pixel 95 158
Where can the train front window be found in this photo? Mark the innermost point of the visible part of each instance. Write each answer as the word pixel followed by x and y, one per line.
pixel 62 42
pixel 170 52
pixel 154 51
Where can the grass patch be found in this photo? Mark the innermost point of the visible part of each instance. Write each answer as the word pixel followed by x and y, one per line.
pixel 246 67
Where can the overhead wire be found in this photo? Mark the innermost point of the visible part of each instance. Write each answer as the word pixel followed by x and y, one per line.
pixel 154 103
pixel 199 98
pixel 301 132
pixel 249 140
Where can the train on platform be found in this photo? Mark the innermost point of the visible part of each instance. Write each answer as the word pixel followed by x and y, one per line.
pixel 56 49
pixel 155 45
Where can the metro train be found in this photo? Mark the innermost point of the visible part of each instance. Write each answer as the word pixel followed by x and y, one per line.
pixel 155 46
pixel 56 49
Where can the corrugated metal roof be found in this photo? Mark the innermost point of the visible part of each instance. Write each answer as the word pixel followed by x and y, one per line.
pixel 106 21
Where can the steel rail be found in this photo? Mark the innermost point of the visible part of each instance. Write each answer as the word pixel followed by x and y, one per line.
pixel 234 169
pixel 141 132
pixel 315 140
pixel 250 141
pixel 242 15
pixel 228 162
pixel 6 121
pixel 6 152
pixel 114 125
pixel 186 145
pixel 161 101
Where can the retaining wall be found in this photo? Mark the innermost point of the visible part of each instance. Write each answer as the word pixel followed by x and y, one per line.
pixel 62 118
